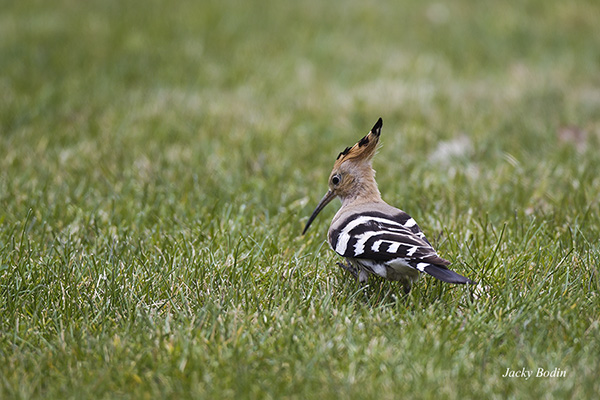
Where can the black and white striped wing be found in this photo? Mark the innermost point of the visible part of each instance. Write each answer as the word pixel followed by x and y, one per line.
pixel 390 240
pixel 380 237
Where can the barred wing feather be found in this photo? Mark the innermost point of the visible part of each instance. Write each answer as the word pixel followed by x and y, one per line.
pixel 381 237
pixel 390 240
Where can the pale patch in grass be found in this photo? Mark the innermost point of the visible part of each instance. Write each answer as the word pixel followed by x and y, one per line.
pixel 446 151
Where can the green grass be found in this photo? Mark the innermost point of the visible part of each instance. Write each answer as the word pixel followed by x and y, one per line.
pixel 158 161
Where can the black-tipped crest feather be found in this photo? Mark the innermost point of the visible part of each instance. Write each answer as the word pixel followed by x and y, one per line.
pixel 377 127
pixel 343 153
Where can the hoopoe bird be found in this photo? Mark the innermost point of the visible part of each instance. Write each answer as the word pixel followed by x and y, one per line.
pixel 374 237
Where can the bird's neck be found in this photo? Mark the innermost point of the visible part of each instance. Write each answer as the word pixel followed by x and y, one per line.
pixel 366 191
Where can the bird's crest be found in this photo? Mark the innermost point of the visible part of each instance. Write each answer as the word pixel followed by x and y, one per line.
pixel 364 149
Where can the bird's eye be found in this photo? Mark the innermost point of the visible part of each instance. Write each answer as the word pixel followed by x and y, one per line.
pixel 335 179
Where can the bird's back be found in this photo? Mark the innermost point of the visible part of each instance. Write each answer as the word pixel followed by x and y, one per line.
pixel 378 231
pixel 388 242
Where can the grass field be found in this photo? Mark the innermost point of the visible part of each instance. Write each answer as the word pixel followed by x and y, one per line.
pixel 158 161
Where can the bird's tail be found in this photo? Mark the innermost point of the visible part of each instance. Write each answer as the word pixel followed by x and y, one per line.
pixel 447 275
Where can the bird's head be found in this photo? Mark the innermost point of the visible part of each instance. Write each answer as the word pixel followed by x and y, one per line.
pixel 352 176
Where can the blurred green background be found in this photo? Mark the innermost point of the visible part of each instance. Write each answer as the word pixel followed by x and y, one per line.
pixel 159 160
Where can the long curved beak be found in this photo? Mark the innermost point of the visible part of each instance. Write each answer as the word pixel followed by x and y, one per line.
pixel 324 201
